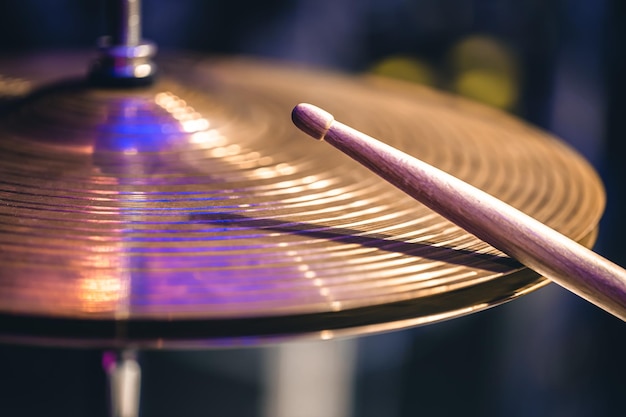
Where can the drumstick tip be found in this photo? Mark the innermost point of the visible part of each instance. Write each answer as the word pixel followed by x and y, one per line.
pixel 312 120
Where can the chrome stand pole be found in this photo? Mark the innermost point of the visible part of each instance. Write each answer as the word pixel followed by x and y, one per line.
pixel 124 377
pixel 125 58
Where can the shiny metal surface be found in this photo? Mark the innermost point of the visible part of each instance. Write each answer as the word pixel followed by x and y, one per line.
pixel 191 213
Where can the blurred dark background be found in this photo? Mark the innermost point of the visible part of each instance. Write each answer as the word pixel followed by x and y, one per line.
pixel 557 64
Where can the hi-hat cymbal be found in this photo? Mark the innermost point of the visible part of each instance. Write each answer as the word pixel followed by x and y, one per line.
pixel 189 213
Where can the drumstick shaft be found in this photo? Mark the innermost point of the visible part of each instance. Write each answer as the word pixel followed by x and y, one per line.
pixel 534 244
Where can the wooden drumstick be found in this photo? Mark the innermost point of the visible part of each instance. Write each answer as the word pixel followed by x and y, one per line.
pixel 534 244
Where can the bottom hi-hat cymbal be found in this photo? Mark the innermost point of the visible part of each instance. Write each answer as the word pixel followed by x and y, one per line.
pixel 188 213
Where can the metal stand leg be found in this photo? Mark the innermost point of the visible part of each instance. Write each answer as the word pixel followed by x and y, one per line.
pixel 310 379
pixel 124 375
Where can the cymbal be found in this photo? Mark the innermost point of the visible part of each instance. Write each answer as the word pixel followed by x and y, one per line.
pixel 189 213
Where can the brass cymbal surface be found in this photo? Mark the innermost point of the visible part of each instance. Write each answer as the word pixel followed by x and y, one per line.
pixel 190 212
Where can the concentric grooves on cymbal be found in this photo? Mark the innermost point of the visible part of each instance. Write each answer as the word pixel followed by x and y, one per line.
pixel 196 199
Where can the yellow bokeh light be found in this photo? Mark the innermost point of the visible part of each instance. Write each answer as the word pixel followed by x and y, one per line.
pixel 405 68
pixel 489 87
pixel 485 69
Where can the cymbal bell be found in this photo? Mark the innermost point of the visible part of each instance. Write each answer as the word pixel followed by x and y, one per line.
pixel 187 213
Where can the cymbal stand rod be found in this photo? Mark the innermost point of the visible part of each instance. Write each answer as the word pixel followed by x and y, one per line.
pixel 124 376
pixel 534 244
pixel 124 18
pixel 125 58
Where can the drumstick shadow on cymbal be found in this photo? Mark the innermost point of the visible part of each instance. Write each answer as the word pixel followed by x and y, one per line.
pixel 531 242
pixel 384 242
